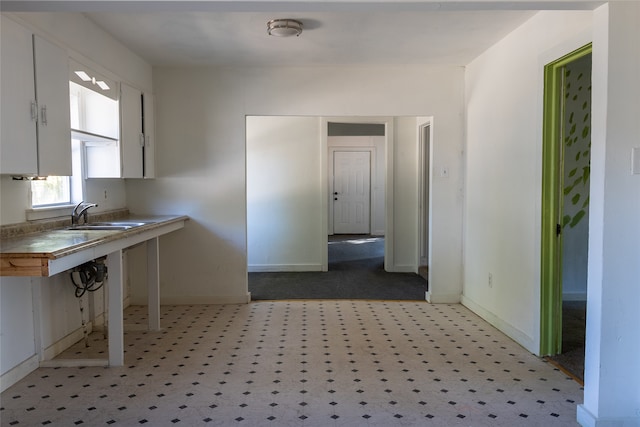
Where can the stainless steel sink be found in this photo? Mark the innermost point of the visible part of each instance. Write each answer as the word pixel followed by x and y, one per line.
pixel 114 225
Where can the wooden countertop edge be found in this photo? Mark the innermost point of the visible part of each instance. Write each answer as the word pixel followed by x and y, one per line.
pixel 37 263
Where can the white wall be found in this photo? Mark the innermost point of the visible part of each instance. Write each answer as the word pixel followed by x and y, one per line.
pixel 284 194
pixel 405 195
pixel 378 168
pixel 504 91
pixel 200 116
pixel 59 308
pixel 612 371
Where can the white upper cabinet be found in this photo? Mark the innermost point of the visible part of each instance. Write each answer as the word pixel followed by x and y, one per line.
pixel 136 130
pixel 148 122
pixel 131 132
pixel 52 92
pixel 35 128
pixel 19 109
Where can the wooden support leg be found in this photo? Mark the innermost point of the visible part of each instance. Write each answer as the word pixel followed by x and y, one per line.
pixel 153 284
pixel 115 311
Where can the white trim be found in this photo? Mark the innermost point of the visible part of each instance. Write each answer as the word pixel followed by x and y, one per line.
pixel 511 331
pixel 442 298
pixel 324 191
pixel 425 173
pixel 59 211
pixel 405 269
pixel 18 372
pixel 64 343
pixel 389 247
pixel 586 419
pixel 257 268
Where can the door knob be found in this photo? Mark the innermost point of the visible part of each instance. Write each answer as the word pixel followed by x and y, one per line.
pixel 335 193
pixel 335 198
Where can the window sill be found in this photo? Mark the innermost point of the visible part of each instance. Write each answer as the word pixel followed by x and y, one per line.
pixel 48 212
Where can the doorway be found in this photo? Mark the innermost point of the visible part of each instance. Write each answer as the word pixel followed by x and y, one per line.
pixel 566 168
pixel 356 170
pixel 289 217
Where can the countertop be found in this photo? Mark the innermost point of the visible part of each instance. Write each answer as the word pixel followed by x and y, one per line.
pixel 44 249
pixel 56 243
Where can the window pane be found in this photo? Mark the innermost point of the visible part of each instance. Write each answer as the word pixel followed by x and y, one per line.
pixel 93 112
pixel 52 191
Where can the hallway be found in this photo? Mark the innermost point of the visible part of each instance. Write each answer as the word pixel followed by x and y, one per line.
pixel 356 271
pixel 304 363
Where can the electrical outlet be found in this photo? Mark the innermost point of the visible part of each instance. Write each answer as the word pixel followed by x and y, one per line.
pixel 490 280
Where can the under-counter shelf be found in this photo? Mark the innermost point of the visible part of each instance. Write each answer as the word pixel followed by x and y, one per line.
pixel 47 253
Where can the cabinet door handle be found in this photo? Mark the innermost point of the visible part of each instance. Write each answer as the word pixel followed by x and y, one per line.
pixel 141 140
pixel 43 115
pixel 34 111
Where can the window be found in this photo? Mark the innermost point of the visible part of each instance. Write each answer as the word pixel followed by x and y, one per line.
pixel 52 191
pixel 94 133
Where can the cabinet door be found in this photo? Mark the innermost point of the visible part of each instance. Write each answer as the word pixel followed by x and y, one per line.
pixel 149 136
pixel 54 125
pixel 18 149
pixel 131 136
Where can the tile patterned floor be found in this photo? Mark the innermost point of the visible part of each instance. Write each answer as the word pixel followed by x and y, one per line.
pixel 304 363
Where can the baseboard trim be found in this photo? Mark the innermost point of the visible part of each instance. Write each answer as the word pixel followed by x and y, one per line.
pixel 64 343
pixel 586 419
pixel 404 269
pixel 195 300
pixel 275 268
pixel 18 372
pixel 512 332
pixel 442 298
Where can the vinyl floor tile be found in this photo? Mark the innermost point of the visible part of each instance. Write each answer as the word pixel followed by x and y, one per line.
pixel 302 363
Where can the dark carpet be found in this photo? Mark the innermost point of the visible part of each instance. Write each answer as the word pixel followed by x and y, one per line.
pixel 356 271
pixel 573 333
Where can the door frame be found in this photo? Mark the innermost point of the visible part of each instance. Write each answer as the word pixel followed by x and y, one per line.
pixel 552 204
pixel 324 170
pixel 425 156
pixel 330 176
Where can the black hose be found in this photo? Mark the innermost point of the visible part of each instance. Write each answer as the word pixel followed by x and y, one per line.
pixel 91 275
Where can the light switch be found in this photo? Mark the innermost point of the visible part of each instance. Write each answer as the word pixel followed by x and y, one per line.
pixel 635 161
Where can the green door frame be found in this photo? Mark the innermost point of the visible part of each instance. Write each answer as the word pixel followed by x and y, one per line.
pixel 552 204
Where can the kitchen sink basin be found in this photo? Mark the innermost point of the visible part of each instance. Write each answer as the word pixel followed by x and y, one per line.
pixel 114 225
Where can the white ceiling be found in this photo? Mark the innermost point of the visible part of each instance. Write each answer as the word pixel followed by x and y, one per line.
pixel 240 38
pixel 354 32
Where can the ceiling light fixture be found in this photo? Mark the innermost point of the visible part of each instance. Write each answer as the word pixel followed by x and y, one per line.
pixel 284 27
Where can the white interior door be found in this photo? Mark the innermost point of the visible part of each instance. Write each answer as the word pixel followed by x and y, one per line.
pixel 351 192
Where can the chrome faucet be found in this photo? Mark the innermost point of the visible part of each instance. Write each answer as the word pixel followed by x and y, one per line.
pixel 80 210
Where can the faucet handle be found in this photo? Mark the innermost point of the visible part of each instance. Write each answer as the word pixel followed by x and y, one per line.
pixel 81 210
